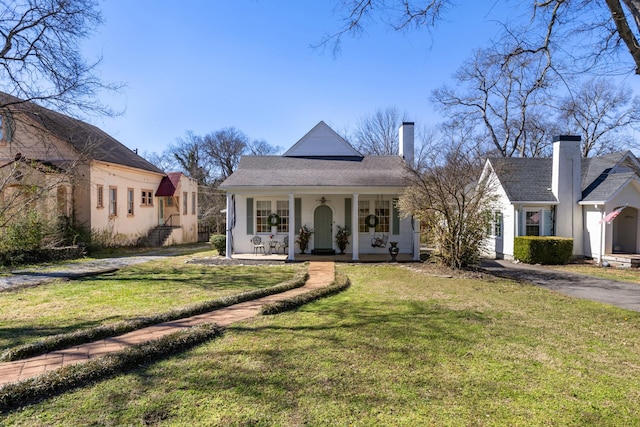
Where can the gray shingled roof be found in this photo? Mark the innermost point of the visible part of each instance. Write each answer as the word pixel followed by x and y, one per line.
pixel 276 171
pixel 525 179
pixel 607 187
pixel 528 180
pixel 85 138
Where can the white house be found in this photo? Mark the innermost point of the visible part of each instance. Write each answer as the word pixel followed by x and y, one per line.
pixel 321 182
pixel 595 200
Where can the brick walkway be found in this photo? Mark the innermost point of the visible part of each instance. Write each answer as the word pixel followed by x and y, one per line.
pixel 320 274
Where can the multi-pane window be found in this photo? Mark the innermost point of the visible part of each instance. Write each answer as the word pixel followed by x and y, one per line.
pixel 184 202
pixel 113 201
pixel 193 203
pixel 532 223
pixel 129 201
pixel 363 212
pixel 100 196
pixel 170 201
pixel 497 223
pixel 263 209
pixel 383 212
pixel 282 210
pixel 146 198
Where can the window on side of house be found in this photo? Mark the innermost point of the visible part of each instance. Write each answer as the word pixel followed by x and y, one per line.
pixel 113 201
pixel 263 209
pixel 100 196
pixel 193 203
pixel 282 209
pixel 497 223
pixel 185 201
pixel 532 223
pixel 130 201
pixel 146 198
pixel 383 212
pixel 363 212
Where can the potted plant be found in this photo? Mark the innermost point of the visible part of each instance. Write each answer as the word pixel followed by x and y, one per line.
pixel 342 238
pixel 304 235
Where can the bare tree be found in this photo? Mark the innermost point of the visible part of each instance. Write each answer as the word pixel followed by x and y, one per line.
pixel 189 153
pixel 40 59
pixel 505 99
pixel 591 32
pixel 601 113
pixel 377 134
pixel 224 147
pixel 444 193
pixel 260 147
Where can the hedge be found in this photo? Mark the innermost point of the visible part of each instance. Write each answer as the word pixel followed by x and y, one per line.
pixel 340 283
pixel 15 395
pixel 58 342
pixel 543 249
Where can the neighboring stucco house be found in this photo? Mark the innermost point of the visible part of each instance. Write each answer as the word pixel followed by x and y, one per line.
pixel 89 176
pixel 321 182
pixel 593 200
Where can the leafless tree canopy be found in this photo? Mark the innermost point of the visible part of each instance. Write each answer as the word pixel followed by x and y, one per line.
pixel 592 33
pixel 600 112
pixel 377 134
pixel 40 56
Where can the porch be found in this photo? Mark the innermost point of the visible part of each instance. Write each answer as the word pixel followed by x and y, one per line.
pixel 364 258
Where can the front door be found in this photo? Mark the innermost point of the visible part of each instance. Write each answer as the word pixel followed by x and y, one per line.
pixel 160 211
pixel 322 219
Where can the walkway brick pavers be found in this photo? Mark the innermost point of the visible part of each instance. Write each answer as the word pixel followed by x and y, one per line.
pixel 320 274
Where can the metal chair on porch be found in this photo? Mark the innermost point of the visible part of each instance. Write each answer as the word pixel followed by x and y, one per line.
pixel 284 245
pixel 257 245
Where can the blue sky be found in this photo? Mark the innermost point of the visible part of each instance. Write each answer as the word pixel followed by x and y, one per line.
pixel 203 65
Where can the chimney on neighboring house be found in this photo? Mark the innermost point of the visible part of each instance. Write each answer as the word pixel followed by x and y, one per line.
pixel 406 137
pixel 566 185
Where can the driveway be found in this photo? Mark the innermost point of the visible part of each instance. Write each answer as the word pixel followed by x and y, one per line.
pixel 620 294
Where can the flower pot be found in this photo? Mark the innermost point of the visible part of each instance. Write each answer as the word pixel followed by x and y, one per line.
pixel 394 250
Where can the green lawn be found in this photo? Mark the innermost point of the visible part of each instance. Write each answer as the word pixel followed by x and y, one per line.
pixel 398 348
pixel 29 314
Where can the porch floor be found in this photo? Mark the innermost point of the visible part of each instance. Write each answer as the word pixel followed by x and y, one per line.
pixel 335 258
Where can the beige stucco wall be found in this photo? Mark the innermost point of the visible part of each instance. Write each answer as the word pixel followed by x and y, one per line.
pixel 188 222
pixel 124 228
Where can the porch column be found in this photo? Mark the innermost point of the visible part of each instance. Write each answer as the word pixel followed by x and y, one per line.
pixel 355 241
pixel 416 239
pixel 229 227
pixel 292 228
pixel 602 228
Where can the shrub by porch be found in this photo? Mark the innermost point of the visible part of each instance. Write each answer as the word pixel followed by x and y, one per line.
pixel 543 249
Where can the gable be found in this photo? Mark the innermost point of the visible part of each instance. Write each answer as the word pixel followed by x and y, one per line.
pixel 322 142
pixel 525 179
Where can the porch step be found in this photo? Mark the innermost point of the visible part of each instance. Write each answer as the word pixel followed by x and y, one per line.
pixel 323 252
pixel 623 260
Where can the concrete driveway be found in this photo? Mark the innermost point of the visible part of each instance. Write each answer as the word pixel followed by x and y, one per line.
pixel 620 294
